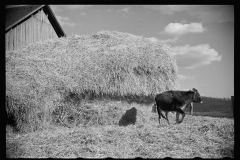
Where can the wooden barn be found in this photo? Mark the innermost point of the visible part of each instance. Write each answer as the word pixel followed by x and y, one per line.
pixel 25 24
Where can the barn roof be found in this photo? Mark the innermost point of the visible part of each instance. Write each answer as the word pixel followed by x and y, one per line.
pixel 17 14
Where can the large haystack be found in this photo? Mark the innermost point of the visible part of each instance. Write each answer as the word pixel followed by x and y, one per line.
pixel 44 75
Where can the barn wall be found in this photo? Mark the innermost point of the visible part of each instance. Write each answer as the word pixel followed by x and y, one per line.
pixel 34 29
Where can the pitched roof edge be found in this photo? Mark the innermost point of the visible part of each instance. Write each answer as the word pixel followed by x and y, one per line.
pixel 56 25
pixel 53 20
pixel 23 18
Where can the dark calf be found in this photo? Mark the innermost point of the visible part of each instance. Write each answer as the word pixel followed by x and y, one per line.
pixel 175 101
pixel 189 105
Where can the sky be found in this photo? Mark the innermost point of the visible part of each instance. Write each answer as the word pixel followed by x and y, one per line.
pixel 201 37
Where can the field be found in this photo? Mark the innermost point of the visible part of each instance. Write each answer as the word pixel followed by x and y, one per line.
pixel 92 96
pixel 214 107
pixel 135 133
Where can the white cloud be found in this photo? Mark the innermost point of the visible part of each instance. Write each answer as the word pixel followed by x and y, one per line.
pixel 126 9
pixel 207 13
pixel 182 77
pixel 65 21
pixel 194 56
pixel 178 29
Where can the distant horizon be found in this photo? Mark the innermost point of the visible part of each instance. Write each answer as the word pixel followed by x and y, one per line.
pixel 200 37
pixel 218 97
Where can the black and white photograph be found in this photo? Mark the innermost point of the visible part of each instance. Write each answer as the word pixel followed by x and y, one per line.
pixel 119 81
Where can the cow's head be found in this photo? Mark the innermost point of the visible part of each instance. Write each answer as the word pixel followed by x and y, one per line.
pixel 196 96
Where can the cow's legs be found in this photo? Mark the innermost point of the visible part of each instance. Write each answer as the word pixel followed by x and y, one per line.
pixel 167 118
pixel 181 112
pixel 177 117
pixel 159 114
pixel 166 114
pixel 159 117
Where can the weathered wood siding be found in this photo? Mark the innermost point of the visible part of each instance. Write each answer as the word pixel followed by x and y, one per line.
pixel 34 29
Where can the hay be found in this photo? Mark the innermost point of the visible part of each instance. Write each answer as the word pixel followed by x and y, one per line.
pixel 40 76
pixel 197 136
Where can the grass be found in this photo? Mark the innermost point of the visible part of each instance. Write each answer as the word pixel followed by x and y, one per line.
pixel 196 136
pixel 214 107
pixel 215 114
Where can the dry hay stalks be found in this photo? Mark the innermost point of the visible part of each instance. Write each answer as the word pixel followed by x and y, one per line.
pixel 93 114
pixel 40 76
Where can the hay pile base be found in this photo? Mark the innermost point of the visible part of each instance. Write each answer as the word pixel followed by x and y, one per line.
pixel 196 136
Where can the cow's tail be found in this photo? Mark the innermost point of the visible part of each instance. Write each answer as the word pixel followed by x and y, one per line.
pixel 163 115
pixel 154 110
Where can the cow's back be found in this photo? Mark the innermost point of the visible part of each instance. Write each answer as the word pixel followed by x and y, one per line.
pixel 168 100
pixel 169 95
pixel 164 100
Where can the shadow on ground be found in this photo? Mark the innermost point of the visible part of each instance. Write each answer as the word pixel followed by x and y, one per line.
pixel 129 117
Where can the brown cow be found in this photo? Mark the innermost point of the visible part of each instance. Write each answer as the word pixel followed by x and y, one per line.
pixel 175 101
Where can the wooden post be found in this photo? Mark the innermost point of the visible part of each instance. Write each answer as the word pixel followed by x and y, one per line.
pixel 232 99
pixel 191 108
pixel 6 41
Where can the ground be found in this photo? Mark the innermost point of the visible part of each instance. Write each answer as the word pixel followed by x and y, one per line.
pixel 196 136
